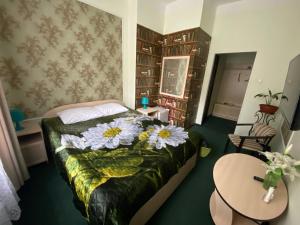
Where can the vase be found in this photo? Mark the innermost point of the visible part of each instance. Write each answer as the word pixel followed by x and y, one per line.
pixel 271 179
pixel 269 195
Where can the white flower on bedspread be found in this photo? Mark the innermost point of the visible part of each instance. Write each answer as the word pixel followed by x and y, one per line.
pixel 123 131
pixel 111 135
pixel 161 135
pixel 134 119
pixel 73 141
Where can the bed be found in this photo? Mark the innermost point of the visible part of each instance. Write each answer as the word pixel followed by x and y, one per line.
pixel 124 185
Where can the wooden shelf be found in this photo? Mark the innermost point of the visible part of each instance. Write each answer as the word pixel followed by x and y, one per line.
pixel 146 76
pixel 173 117
pixel 173 98
pixel 150 66
pixel 150 96
pixel 172 69
pixel 194 79
pixel 171 107
pixel 150 86
pixel 240 220
pixel 30 139
pixel 149 42
pixel 149 54
pixel 181 43
pixel 197 67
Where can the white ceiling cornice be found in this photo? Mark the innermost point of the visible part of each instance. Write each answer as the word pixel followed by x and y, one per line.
pixel 168 1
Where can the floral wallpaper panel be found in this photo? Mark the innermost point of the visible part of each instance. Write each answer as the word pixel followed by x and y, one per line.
pixel 55 52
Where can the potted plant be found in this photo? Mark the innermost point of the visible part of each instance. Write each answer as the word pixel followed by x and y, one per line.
pixel 269 98
pixel 279 165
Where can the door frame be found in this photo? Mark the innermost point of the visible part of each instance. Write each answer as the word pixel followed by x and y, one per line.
pixel 211 86
pixel 213 77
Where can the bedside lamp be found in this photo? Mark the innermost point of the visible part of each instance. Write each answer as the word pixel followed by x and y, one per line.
pixel 145 102
pixel 17 117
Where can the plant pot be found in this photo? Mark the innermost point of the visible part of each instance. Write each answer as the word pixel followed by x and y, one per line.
pixel 269 109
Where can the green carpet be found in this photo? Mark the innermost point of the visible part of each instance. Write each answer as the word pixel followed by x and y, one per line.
pixel 47 200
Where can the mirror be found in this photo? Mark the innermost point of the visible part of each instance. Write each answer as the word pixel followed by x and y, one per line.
pixel 173 77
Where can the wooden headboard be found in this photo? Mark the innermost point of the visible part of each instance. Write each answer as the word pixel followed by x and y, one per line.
pixel 53 112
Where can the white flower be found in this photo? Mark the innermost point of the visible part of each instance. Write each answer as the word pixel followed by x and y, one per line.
pixel 134 119
pixel 297 163
pixel 288 149
pixel 128 119
pixel 284 162
pixel 163 135
pixel 111 135
pixel 73 141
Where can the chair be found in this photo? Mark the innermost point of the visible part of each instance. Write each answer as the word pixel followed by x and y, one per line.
pixel 258 138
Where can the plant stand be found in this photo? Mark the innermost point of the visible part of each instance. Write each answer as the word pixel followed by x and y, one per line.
pixel 265 118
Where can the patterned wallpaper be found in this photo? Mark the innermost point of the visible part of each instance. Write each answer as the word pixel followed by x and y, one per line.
pixel 55 52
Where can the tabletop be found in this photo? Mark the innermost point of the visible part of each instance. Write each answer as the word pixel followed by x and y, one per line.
pixel 148 110
pixel 30 127
pixel 233 176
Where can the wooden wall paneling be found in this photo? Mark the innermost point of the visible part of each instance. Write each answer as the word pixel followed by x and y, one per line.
pixel 195 43
pixel 192 42
pixel 149 54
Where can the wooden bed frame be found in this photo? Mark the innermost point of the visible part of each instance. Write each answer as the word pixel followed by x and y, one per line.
pixel 153 204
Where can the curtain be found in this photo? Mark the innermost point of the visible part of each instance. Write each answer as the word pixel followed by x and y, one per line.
pixel 9 208
pixel 10 152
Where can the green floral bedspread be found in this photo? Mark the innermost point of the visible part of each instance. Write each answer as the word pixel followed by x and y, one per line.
pixel 110 185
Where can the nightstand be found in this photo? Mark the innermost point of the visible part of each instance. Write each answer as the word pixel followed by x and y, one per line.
pixel 150 111
pixel 32 143
pixel 157 112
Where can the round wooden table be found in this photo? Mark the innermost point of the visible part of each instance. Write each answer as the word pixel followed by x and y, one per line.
pixel 238 198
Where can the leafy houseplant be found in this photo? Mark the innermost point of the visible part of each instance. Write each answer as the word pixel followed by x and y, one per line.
pixel 269 98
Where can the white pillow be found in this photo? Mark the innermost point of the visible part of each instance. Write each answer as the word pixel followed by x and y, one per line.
pixel 80 114
pixel 110 109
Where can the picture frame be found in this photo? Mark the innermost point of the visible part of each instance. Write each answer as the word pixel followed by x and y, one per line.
pixel 174 75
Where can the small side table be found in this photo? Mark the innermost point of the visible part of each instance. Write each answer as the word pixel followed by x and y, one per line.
pixel 157 112
pixel 150 111
pixel 238 198
pixel 32 143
